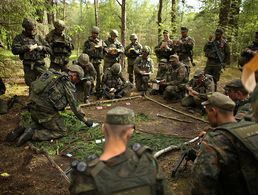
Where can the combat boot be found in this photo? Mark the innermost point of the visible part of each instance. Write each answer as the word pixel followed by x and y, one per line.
pixel 26 136
pixel 14 134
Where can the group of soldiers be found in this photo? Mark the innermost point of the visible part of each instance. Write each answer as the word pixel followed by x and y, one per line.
pixel 227 160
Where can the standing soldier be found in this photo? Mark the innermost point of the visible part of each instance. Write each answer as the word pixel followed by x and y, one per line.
pixel 94 47
pixel 132 51
pixel 114 50
pixel 165 48
pixel 32 50
pixel 143 68
pixel 61 45
pixel 184 48
pixel 218 53
pixel 85 86
pixel 120 169
pixel 198 88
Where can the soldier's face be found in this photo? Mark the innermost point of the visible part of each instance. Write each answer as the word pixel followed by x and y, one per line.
pixel 74 77
pixel 166 36
pixel 30 31
pixel 95 35
pixel 113 37
pixel 184 33
pixel 59 31
pixel 218 36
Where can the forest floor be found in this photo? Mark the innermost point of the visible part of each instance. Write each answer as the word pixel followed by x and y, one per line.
pixel 31 173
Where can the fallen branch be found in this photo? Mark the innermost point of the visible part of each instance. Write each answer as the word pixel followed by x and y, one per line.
pixel 106 101
pixel 175 110
pixel 175 147
pixel 53 163
pixel 173 118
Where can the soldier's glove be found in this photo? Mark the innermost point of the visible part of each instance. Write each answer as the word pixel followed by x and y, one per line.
pixel 32 47
pixel 89 123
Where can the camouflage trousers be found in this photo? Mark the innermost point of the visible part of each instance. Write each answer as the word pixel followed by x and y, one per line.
pixel 141 82
pixel 173 93
pixel 3 107
pixel 99 71
pixel 130 69
pixel 47 126
pixel 213 69
pixel 32 71
pixel 191 101
pixel 83 90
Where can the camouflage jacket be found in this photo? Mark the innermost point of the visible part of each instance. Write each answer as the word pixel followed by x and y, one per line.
pixel 177 75
pixel 110 56
pixel 164 52
pixel 95 49
pixel 212 54
pixel 248 53
pixel 111 80
pixel 128 173
pixel 21 45
pixel 52 92
pixel 133 50
pixel 184 47
pixel 224 165
pixel 61 47
pixel 204 86
pixel 141 64
pixel 242 109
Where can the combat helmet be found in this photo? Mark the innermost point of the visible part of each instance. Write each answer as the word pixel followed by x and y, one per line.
pixel 95 29
pixel 78 69
pixel 28 23
pixel 146 49
pixel 116 68
pixel 114 32
pixel 133 37
pixel 59 24
pixel 83 59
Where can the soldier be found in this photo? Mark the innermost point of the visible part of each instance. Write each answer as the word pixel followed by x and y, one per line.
pixel 132 51
pixel 114 50
pixel 85 87
pixel 143 68
pixel 184 48
pixel 50 93
pixel 32 50
pixel 94 47
pixel 61 45
pixel 119 169
pixel 113 83
pixel 237 92
pixel 218 53
pixel 198 88
pixel 175 81
pixel 227 162
pixel 165 48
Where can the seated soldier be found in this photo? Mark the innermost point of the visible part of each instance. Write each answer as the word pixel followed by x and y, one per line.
pixel 175 81
pixel 119 169
pixel 113 83
pixel 198 88
pixel 86 85
pixel 50 93
pixel 143 68
pixel 237 92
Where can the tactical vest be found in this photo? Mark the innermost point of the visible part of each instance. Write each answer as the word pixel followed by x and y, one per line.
pixel 49 87
pixel 247 134
pixel 136 175
pixel 211 51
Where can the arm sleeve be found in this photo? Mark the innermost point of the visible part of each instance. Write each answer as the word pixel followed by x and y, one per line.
pixel 18 47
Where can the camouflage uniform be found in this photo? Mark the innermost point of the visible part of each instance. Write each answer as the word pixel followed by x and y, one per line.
pixel 94 47
pixel 166 51
pixel 61 45
pixel 114 51
pixel 143 65
pixel 113 83
pixel 85 86
pixel 134 171
pixel 224 164
pixel 162 69
pixel 132 51
pixel 32 50
pixel 201 83
pixel 214 65
pixel 175 81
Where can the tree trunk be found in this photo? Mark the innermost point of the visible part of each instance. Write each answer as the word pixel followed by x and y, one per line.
pixel 123 22
pixel 160 20
pixel 50 13
pixel 64 10
pixel 96 7
pixel 224 13
pixel 173 16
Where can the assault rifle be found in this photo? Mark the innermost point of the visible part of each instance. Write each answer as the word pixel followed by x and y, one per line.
pixel 222 64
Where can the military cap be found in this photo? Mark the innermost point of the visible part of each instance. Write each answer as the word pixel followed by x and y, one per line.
pixel 220 100
pixel 83 59
pixel 219 31
pixel 173 58
pixel 184 29
pixel 120 116
pixel 146 49
pixel 235 84
pixel 78 69
pixel 95 29
pixel 59 24
pixel 165 31
pixel 198 72
pixel 133 37
pixel 114 32
pixel 28 23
